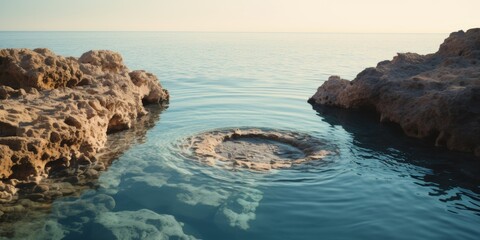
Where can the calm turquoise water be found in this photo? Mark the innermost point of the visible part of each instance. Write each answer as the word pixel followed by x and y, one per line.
pixel 381 185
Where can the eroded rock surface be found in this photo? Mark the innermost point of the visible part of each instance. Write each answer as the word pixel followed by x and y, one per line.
pixel 31 202
pixel 255 149
pixel 429 96
pixel 55 112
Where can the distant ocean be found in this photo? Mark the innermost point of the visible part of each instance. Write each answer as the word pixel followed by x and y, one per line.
pixel 380 185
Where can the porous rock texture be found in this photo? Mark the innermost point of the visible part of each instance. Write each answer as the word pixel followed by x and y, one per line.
pixel 56 111
pixel 33 201
pixel 430 96
pixel 255 149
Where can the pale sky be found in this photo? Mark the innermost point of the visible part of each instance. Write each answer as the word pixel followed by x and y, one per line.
pixel 363 16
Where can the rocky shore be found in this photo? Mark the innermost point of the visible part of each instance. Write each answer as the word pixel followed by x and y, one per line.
pixel 56 112
pixel 433 96
pixel 34 201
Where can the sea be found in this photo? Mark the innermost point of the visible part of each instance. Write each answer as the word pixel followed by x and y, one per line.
pixel 379 184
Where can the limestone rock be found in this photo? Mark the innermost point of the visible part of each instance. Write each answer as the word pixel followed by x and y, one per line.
pixel 435 95
pixel 255 149
pixel 56 111
pixel 40 69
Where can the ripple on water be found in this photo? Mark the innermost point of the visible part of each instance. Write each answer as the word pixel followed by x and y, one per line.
pixel 254 149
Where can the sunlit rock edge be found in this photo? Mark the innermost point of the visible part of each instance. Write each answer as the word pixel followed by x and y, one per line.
pixel 434 96
pixel 55 114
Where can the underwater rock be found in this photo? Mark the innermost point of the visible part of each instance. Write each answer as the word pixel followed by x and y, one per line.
pixel 430 96
pixel 239 210
pixel 142 224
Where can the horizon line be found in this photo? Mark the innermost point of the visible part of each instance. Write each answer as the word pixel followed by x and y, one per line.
pixel 169 31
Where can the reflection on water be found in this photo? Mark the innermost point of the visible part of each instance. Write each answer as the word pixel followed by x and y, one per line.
pixel 118 143
pixel 31 212
pixel 452 177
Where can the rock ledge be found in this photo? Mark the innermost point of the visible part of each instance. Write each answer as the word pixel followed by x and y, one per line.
pixel 55 112
pixel 430 96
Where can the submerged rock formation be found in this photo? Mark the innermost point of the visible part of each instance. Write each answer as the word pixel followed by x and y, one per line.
pixel 55 112
pixel 34 201
pixel 430 96
pixel 255 149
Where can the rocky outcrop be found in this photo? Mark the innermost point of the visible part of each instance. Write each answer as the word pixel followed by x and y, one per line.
pixel 23 202
pixel 55 112
pixel 430 96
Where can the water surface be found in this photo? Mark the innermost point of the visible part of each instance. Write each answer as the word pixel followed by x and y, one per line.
pixel 380 185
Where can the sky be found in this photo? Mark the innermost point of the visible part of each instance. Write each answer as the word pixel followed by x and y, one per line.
pixel 349 16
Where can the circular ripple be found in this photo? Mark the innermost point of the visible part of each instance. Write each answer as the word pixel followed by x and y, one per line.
pixel 254 149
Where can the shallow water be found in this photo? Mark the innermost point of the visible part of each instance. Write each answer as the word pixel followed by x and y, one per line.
pixel 258 150
pixel 380 185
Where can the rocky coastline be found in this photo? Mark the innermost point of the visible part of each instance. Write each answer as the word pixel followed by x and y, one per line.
pixel 434 96
pixel 55 114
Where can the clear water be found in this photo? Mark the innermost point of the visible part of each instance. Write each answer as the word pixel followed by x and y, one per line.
pixel 381 185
